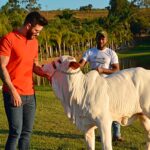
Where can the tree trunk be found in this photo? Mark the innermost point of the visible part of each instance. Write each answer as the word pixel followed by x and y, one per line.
pixel 59 49
pixel 64 46
pixel 50 52
pixel 41 55
pixel 47 52
pixel 56 52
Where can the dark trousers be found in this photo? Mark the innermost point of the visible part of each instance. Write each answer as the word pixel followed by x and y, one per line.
pixel 20 120
pixel 116 129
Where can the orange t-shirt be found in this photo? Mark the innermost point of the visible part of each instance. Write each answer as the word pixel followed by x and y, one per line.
pixel 22 53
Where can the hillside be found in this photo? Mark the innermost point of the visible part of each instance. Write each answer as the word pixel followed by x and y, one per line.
pixel 91 14
pixel 77 14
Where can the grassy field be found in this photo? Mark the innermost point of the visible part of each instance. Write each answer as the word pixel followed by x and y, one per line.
pixel 54 131
pixel 93 14
pixel 138 56
pixel 77 14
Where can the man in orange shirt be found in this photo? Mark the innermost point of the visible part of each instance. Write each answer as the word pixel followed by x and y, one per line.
pixel 18 61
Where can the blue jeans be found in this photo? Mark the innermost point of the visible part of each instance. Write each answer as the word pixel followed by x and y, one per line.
pixel 20 120
pixel 116 129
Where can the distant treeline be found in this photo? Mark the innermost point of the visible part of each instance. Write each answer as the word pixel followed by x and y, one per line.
pixel 73 31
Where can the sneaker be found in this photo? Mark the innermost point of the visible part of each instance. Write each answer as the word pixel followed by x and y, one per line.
pixel 117 139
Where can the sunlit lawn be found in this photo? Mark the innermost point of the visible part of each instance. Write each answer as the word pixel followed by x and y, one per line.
pixel 53 130
pixel 138 56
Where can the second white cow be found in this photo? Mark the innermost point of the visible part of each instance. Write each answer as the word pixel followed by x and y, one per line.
pixel 93 101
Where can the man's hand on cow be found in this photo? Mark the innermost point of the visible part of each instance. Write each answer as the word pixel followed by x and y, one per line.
pixel 100 69
pixel 47 75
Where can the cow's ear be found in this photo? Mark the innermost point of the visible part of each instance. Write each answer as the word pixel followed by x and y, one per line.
pixel 74 65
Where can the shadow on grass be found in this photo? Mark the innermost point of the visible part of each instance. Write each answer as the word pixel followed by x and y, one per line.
pixel 58 135
pixel 125 145
pixel 51 134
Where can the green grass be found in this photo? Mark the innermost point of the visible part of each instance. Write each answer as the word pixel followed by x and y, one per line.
pixel 142 49
pixel 54 131
pixel 138 56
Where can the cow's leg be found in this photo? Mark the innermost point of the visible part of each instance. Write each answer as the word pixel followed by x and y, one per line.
pixel 90 138
pixel 104 126
pixel 146 122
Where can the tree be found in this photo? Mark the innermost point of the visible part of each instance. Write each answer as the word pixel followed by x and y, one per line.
pixel 5 26
pixel 141 3
pixel 16 18
pixel 14 3
pixel 66 14
pixel 119 8
pixel 139 24
pixel 86 8
pixel 29 4
pixel 5 9
pixel 118 22
pixel 32 5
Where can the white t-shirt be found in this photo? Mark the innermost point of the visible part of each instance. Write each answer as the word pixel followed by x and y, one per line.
pixel 100 58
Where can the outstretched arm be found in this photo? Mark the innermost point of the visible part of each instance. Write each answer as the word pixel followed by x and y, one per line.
pixel 114 68
pixel 37 69
pixel 82 63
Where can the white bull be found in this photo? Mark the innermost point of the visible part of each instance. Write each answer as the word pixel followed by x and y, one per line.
pixel 93 101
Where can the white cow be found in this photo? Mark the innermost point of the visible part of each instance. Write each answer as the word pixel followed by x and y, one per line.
pixel 93 101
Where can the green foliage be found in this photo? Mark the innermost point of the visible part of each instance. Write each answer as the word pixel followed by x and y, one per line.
pixel 32 5
pixel 66 31
pixel 27 4
pixel 139 24
pixel 119 11
pixel 15 4
pixel 119 8
pixel 5 25
pixel 66 14
pixel 142 3
pixel 16 19
pixel 86 8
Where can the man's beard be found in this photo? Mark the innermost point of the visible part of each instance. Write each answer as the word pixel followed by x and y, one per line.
pixel 30 35
pixel 101 47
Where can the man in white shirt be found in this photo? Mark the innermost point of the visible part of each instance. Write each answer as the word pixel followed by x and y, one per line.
pixel 105 61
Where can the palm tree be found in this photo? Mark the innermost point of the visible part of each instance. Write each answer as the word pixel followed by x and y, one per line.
pixel 65 40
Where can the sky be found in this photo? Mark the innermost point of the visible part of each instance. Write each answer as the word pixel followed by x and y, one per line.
pixel 71 4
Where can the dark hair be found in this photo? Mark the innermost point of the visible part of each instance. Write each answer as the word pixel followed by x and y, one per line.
pixel 35 18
